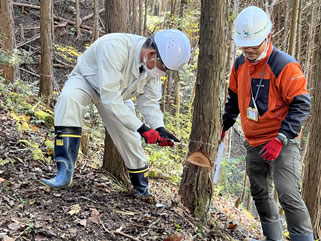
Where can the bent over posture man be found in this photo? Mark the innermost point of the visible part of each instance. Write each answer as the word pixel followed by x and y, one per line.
pixel 115 68
pixel 267 87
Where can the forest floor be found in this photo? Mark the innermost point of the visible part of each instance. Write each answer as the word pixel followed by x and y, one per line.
pixel 96 207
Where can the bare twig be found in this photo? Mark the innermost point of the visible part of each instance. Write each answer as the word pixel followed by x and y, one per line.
pixel 116 232
pixel 125 235
pixel 29 72
pixel 104 227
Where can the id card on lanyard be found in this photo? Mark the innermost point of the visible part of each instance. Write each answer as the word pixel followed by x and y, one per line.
pixel 253 113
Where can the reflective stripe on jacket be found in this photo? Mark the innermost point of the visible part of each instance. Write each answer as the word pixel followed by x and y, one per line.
pixel 282 101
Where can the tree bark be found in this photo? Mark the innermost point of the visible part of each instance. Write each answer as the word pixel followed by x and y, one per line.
pixel 298 30
pixel 134 17
pixel 46 74
pixel 10 72
pixel 311 190
pixel 96 20
pixel 154 12
pixel 196 187
pixel 78 19
pixel 141 17
pixel 116 22
pixel 294 22
pixel 145 18
pixel 113 162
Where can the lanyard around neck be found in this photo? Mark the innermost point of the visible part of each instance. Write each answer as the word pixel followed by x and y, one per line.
pixel 258 88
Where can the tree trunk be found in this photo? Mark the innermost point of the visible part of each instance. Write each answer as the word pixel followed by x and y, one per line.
pixel 96 20
pixel 310 42
pixel 145 18
pixel 113 162
pixel 46 74
pixel 116 22
pixel 177 95
pixel 196 187
pixel 298 30
pixel 134 17
pixel 154 12
pixel 294 22
pixel 312 178
pixel 78 19
pixel 10 72
pixel 140 18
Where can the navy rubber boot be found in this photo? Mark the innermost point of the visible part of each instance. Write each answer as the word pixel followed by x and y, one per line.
pixel 139 179
pixel 67 143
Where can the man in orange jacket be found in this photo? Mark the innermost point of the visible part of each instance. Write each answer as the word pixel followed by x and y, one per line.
pixel 268 89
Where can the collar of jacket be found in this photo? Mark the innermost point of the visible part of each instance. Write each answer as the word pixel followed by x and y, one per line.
pixel 137 63
pixel 264 59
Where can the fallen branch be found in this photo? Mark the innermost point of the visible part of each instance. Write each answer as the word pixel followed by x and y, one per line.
pixel 91 15
pixel 55 17
pixel 28 41
pixel 29 72
pixel 26 5
pixel 62 66
pixel 63 63
pixel 72 22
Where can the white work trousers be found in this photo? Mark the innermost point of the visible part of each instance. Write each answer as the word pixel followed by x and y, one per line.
pixel 71 107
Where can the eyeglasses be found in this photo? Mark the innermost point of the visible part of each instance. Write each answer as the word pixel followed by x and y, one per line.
pixel 158 58
pixel 254 47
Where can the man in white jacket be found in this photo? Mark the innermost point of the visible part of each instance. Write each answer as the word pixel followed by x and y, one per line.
pixel 115 68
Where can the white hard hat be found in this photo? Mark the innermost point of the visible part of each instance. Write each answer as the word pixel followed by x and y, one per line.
pixel 173 47
pixel 252 26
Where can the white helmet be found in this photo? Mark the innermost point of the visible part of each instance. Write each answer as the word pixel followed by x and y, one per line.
pixel 252 26
pixel 173 47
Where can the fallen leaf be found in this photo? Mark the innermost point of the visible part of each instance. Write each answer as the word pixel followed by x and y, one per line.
pixel 7 238
pixel 231 225
pixel 94 216
pixel 82 222
pixel 174 237
pixel 74 209
pixel 2 180
pixel 14 226
pixel 73 232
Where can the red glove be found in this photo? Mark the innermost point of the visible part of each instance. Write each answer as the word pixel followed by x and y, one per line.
pixel 165 142
pixel 223 134
pixel 150 135
pixel 271 150
pixel 167 138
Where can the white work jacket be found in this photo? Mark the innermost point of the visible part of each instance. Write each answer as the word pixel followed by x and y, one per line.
pixel 112 62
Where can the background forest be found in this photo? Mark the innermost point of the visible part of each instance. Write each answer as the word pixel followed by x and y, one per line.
pixel 40 43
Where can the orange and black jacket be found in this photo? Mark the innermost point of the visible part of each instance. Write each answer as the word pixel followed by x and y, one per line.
pixel 283 101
